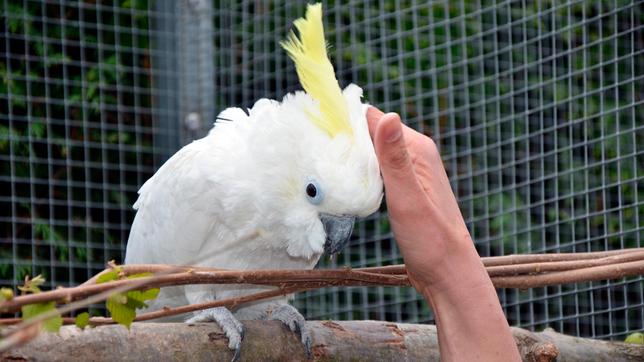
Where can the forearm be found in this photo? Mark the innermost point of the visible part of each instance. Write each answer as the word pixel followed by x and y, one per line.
pixel 471 325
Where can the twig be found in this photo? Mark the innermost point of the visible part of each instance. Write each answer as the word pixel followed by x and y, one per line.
pixel 12 321
pixel 542 258
pixel 514 271
pixel 20 337
pixel 395 275
pixel 613 271
pixel 336 277
pixel 231 303
pixel 552 266
pixel 8 336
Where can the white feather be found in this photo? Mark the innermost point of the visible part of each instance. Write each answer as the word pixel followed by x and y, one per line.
pixel 246 176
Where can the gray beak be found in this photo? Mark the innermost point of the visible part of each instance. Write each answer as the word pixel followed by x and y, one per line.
pixel 338 231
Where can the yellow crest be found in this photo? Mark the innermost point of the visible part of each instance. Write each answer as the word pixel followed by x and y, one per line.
pixel 315 72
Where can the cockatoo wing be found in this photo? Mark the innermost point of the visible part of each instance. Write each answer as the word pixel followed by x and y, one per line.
pixel 179 207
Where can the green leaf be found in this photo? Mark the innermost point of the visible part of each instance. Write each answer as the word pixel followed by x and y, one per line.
pixel 135 303
pixel 123 306
pixel 637 338
pixel 32 285
pixel 6 294
pixel 30 311
pixel 150 294
pixel 4 136
pixel 142 296
pixel 82 320
pixel 109 276
pixel 119 298
pixel 140 275
pixel 37 129
pixel 139 297
pixel 122 313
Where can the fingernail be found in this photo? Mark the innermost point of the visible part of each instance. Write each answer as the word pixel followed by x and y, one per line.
pixel 394 134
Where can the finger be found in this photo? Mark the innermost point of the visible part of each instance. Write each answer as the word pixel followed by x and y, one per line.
pixel 393 156
pixel 373 116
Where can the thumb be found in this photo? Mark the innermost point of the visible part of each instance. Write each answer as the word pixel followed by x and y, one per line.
pixel 395 162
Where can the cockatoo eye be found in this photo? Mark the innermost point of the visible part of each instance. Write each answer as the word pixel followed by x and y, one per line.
pixel 314 192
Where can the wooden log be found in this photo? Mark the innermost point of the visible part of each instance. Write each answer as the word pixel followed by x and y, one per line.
pixel 332 341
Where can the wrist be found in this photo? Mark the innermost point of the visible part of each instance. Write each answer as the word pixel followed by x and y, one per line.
pixel 457 273
pixel 466 308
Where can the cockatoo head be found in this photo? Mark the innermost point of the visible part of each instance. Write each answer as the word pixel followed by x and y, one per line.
pixel 336 177
pixel 332 177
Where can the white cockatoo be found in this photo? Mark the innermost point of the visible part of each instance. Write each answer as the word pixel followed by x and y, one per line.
pixel 293 174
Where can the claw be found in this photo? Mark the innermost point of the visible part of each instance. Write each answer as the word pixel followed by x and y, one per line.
pixel 290 316
pixel 233 328
pixel 307 346
pixel 236 354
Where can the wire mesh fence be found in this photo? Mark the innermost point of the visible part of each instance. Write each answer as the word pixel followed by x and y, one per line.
pixel 536 107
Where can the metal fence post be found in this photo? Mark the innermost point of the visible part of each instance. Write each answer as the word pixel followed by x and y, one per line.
pixel 165 96
pixel 183 71
pixel 196 67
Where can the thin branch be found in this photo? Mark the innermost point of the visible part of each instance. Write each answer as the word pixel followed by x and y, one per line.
pixel 12 321
pixel 334 277
pixel 613 271
pixel 552 266
pixel 170 275
pixel 231 303
pixel 27 324
pixel 542 258
pixel 514 271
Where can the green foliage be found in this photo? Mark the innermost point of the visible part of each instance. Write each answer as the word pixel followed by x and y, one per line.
pixel 637 338
pixel 30 311
pixel 60 85
pixel 111 275
pixel 488 61
pixel 140 275
pixel 122 309
pixel 533 105
pixel 6 294
pixel 565 169
pixel 32 285
pixel 123 306
pixel 82 320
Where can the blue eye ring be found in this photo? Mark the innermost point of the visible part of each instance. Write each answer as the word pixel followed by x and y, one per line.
pixel 314 192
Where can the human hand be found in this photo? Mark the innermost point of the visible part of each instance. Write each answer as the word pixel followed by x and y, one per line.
pixel 441 260
pixel 423 211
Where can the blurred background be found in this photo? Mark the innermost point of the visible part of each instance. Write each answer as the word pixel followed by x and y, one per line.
pixel 536 107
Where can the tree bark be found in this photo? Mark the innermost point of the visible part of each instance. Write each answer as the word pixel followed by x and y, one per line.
pixel 332 341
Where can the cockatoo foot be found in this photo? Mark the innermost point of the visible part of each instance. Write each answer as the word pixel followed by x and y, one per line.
pixel 290 316
pixel 227 322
